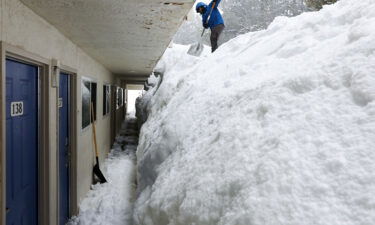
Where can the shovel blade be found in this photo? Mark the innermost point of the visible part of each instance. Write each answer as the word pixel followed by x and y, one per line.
pixel 196 49
pixel 99 174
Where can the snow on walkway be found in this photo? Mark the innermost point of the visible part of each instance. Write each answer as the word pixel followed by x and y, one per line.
pixel 111 203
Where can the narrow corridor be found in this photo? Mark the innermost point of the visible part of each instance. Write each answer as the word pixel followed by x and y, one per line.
pixel 111 203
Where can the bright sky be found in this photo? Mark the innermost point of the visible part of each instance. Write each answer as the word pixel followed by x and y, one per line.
pixel 132 96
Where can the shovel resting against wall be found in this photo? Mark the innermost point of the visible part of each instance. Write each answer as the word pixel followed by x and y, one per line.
pixel 96 169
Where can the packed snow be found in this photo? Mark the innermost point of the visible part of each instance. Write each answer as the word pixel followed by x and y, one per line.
pixel 142 103
pixel 276 127
pixel 111 203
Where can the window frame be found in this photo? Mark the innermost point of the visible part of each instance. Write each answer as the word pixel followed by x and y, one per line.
pixel 90 81
pixel 106 99
pixel 119 102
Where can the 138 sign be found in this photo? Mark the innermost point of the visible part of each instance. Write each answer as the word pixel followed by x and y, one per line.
pixel 16 108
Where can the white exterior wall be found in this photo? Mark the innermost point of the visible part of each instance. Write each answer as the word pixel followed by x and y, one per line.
pixel 21 27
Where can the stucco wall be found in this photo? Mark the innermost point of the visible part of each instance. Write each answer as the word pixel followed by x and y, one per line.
pixel 22 28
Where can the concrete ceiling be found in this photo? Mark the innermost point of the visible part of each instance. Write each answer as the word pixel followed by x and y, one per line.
pixel 127 36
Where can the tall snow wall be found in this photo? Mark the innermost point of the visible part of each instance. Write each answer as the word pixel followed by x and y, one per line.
pixel 277 127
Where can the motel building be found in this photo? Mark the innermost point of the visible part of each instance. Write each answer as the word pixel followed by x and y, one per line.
pixel 58 56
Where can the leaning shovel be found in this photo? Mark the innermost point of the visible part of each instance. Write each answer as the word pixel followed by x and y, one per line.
pixel 96 169
pixel 197 48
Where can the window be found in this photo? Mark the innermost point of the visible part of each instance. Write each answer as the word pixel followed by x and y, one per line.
pixel 119 97
pixel 86 99
pixel 93 98
pixel 106 99
pixel 88 90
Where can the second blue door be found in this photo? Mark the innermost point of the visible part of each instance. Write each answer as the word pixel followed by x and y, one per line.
pixel 64 148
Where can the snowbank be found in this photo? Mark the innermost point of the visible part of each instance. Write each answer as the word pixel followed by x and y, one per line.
pixel 276 127
pixel 142 103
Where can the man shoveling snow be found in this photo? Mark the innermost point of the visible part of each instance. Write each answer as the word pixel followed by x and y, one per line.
pixel 212 19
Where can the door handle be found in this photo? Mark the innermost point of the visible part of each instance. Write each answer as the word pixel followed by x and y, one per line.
pixel 7 210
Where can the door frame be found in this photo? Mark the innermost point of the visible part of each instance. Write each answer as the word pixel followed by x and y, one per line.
pixel 8 51
pixel 73 201
pixel 113 110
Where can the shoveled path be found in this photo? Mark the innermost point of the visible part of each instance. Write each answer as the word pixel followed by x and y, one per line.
pixel 111 203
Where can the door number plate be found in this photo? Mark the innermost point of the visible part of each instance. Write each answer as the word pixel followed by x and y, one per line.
pixel 16 109
pixel 60 102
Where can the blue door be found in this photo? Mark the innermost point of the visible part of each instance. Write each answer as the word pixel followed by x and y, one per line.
pixel 21 143
pixel 64 148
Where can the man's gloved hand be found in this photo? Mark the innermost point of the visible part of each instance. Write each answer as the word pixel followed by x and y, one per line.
pixel 205 25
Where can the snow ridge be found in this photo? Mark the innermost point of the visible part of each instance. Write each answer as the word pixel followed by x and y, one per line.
pixel 276 127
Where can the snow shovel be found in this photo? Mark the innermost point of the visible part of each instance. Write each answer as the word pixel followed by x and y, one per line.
pixel 197 48
pixel 96 168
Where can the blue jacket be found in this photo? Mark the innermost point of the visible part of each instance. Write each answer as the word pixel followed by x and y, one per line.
pixel 215 18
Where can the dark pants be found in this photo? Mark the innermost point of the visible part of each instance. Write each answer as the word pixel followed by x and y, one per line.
pixel 215 34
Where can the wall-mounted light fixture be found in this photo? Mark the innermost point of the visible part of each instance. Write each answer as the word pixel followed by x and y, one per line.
pixel 55 76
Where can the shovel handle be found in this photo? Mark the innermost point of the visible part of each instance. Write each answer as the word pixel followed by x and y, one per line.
pixel 212 9
pixel 209 16
pixel 204 29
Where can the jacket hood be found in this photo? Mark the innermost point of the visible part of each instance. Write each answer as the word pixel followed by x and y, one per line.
pixel 200 4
